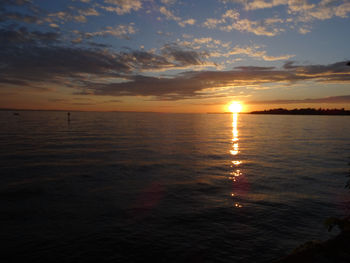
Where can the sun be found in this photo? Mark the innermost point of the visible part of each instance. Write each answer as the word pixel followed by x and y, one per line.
pixel 235 107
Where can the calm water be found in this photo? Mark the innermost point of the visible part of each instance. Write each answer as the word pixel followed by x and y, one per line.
pixel 127 187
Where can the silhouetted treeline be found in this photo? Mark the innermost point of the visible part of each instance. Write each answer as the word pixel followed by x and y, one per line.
pixel 307 111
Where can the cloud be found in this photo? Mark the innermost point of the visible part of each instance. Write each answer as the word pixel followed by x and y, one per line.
pixel 212 23
pixel 73 14
pixel 300 11
pixel 260 28
pixel 304 30
pixel 12 10
pixel 335 99
pixel 323 9
pixel 293 5
pixel 57 100
pixel 179 88
pixel 261 4
pixel 184 57
pixel 342 10
pixel 113 101
pixel 190 21
pixel 161 33
pixel 225 49
pixel 231 20
pixel 204 42
pixel 253 51
pixel 122 6
pixel 254 68
pixel 88 12
pixel 22 35
pixel 274 58
pixel 19 17
pixel 37 59
pixel 53 25
pixel 120 31
pixel 5 3
pixel 233 14
pixel 33 58
pixel 198 84
pixel 170 16
pixel 168 2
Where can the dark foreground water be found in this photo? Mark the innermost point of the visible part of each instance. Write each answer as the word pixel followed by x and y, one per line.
pixel 131 187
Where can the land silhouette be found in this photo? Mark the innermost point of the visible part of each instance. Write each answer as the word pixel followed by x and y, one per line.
pixel 305 111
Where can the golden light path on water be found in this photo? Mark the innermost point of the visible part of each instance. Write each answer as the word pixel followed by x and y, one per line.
pixel 236 172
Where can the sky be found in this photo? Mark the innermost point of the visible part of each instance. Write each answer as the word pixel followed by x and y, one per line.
pixel 174 55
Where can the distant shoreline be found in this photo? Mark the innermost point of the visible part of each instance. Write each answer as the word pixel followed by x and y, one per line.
pixel 307 111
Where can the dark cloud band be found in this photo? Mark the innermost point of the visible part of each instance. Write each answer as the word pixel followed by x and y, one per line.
pixel 32 57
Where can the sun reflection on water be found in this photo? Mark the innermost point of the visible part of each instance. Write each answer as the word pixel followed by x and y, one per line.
pixel 236 171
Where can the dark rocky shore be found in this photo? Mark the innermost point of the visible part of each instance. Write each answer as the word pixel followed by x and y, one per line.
pixel 334 250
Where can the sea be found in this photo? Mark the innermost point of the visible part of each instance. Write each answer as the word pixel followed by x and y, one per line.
pixel 138 187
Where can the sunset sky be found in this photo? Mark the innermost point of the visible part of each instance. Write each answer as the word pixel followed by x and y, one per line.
pixel 174 55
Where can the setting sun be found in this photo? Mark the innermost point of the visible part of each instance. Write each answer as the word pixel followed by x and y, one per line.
pixel 235 107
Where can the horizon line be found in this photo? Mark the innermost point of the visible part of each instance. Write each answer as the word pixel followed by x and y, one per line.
pixel 162 112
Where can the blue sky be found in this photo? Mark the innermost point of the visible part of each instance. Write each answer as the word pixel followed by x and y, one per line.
pixel 172 55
